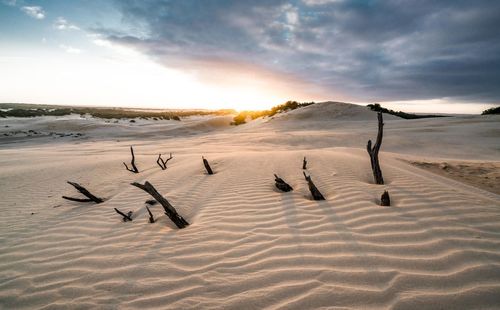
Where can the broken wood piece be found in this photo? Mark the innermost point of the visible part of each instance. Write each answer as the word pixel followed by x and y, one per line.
pixel 313 189
pixel 85 192
pixel 281 184
pixel 126 217
pixel 373 152
pixel 304 164
pixel 163 163
pixel 132 162
pixel 207 166
pixel 385 200
pixel 151 217
pixel 151 202
pixel 170 211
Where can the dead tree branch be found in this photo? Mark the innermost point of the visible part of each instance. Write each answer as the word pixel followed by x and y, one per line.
pixel 170 211
pixel 313 189
pixel 126 217
pixel 281 184
pixel 207 166
pixel 163 163
pixel 385 200
pixel 151 217
pixel 373 152
pixel 132 163
pixel 304 164
pixel 85 192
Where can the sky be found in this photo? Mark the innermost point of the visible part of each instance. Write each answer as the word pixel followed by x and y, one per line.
pixel 416 56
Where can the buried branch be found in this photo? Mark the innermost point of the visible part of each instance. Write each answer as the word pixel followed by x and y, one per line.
pixel 170 211
pixel 281 184
pixel 163 163
pixel 85 192
pixel 385 200
pixel 207 166
pixel 132 163
pixel 151 217
pixel 313 189
pixel 304 164
pixel 373 151
pixel 126 217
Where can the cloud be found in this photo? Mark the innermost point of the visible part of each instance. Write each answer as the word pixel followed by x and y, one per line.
pixel 62 24
pixel 34 11
pixel 70 49
pixel 10 2
pixel 371 50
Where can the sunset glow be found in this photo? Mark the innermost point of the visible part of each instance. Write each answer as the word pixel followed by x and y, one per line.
pixel 161 54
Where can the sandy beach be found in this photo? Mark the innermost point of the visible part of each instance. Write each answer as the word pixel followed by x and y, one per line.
pixel 248 245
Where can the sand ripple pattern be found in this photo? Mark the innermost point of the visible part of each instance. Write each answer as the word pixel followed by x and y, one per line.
pixel 252 247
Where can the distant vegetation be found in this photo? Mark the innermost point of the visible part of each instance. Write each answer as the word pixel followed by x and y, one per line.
pixel 491 111
pixel 31 110
pixel 287 106
pixel 378 108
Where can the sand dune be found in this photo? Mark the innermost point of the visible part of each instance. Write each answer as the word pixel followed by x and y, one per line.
pixel 249 246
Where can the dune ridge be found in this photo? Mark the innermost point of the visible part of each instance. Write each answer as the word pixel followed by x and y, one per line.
pixel 249 246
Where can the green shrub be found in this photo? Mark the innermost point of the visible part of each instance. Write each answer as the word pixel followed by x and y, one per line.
pixel 491 111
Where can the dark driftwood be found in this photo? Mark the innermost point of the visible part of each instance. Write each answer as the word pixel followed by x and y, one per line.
pixel 151 202
pixel 170 211
pixel 163 163
pixel 313 189
pixel 281 184
pixel 373 152
pixel 385 200
pixel 304 164
pixel 84 191
pixel 207 166
pixel 126 217
pixel 132 163
pixel 151 217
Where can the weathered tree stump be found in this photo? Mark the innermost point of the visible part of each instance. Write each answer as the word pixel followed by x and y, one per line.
pixel 281 184
pixel 373 152
pixel 207 166
pixel 151 217
pixel 163 163
pixel 385 200
pixel 132 162
pixel 304 164
pixel 85 192
pixel 170 211
pixel 126 217
pixel 313 189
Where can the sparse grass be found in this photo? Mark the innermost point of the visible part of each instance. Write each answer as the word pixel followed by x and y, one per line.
pixel 30 110
pixel 491 111
pixel 287 106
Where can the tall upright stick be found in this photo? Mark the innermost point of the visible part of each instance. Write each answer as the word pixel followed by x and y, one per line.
pixel 132 163
pixel 373 152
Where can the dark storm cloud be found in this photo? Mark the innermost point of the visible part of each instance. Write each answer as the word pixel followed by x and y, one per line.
pixel 372 50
